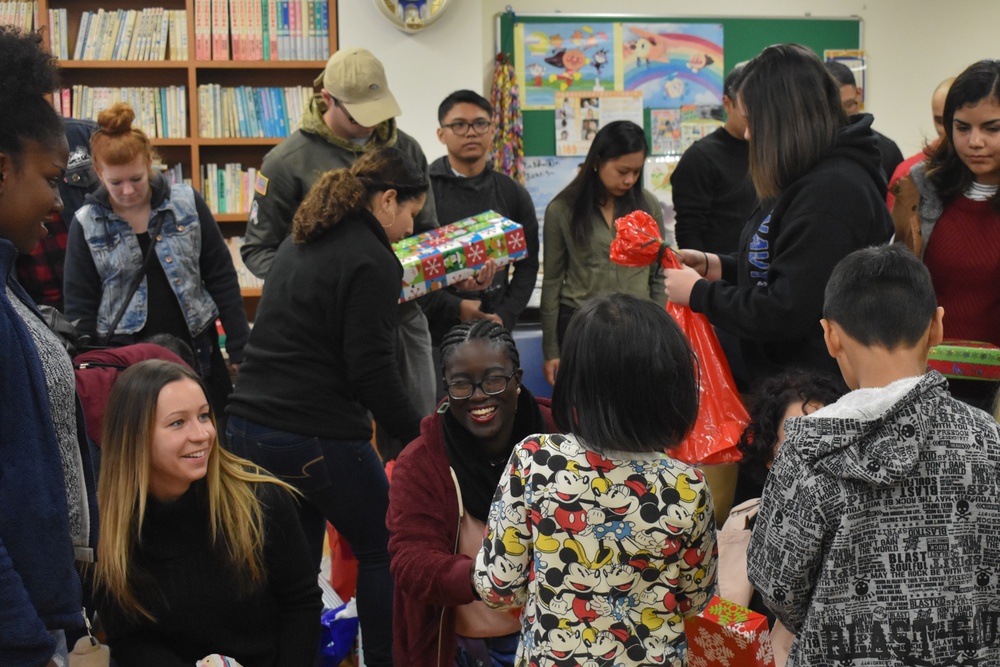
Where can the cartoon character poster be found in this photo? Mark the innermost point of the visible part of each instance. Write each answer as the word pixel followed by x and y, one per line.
pixel 673 64
pixel 561 57
pixel 666 129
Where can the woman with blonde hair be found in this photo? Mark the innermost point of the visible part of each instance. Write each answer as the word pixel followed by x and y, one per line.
pixel 145 257
pixel 199 551
pixel 321 362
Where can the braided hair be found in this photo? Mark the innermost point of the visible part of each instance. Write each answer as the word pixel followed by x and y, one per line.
pixel 479 330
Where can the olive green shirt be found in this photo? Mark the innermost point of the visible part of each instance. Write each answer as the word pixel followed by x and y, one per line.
pixel 573 274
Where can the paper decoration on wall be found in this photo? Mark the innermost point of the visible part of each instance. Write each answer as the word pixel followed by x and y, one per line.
pixel 563 56
pixel 672 64
pixel 666 131
pixel 698 122
pixel 656 178
pixel 856 61
pixel 545 177
pixel 579 116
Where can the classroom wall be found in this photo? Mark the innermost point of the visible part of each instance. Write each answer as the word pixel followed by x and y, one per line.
pixel 912 45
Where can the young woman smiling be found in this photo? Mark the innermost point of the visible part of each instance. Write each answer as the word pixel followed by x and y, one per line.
pixel 200 551
pixel 579 228
pixel 440 496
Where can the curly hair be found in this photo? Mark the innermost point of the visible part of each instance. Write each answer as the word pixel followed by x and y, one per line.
pixel 29 73
pixel 342 191
pixel 771 400
pixel 117 142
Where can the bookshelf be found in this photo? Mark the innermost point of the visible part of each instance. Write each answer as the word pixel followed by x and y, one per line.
pixel 194 150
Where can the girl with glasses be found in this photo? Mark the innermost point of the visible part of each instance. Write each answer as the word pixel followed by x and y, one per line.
pixel 442 486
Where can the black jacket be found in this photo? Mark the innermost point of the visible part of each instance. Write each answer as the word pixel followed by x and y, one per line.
pixel 458 198
pixel 322 352
pixel 771 294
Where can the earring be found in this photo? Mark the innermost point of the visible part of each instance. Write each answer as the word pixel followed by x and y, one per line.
pixel 384 211
pixel 518 391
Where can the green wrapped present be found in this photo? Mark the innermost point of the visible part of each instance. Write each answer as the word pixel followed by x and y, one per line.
pixel 966 360
pixel 444 256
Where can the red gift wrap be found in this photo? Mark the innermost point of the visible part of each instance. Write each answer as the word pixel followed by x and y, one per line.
pixel 721 414
pixel 728 635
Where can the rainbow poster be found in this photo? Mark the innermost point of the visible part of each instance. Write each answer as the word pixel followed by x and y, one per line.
pixel 674 65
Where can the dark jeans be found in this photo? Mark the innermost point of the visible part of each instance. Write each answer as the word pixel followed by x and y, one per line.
pixel 566 313
pixel 344 483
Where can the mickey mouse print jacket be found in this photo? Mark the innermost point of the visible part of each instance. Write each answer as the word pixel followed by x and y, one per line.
pixel 607 554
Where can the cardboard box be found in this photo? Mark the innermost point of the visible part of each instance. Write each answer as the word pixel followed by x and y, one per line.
pixel 444 256
pixel 728 635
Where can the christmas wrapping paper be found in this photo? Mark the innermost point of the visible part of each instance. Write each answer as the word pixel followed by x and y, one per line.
pixel 966 360
pixel 728 635
pixel 444 256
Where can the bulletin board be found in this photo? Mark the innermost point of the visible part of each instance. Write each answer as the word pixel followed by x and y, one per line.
pixel 741 39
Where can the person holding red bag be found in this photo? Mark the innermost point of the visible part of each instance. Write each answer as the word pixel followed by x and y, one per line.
pixel 818 176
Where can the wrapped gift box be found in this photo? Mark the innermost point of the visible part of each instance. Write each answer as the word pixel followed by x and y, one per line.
pixel 726 634
pixel 452 253
pixel 966 360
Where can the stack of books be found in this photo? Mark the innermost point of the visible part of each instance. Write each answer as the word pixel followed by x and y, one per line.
pixel 22 14
pixel 229 189
pixel 247 279
pixel 262 29
pixel 153 33
pixel 248 112
pixel 160 112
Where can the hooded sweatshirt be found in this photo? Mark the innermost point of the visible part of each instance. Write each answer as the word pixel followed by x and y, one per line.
pixel 458 197
pixel 771 294
pixel 878 537
pixel 292 167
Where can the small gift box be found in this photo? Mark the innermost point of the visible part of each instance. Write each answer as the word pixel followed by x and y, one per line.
pixel 726 634
pixel 966 360
pixel 452 253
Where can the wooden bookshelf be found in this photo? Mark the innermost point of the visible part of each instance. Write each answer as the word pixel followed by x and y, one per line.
pixel 194 150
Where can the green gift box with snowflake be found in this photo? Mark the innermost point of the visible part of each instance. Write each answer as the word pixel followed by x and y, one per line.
pixel 728 635
pixel 447 255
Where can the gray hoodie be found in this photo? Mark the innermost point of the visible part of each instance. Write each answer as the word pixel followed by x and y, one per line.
pixel 878 537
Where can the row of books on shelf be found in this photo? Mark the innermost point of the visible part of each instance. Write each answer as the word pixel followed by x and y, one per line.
pixel 262 29
pixel 22 14
pixel 153 33
pixel 228 189
pixel 245 111
pixel 160 112
pixel 247 279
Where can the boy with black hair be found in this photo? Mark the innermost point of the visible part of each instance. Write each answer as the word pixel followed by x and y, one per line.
pixel 878 537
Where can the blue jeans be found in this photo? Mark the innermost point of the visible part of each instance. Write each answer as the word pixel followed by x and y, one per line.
pixel 342 482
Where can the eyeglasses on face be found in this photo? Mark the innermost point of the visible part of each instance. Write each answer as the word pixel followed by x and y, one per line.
pixel 491 386
pixel 479 125
pixel 350 118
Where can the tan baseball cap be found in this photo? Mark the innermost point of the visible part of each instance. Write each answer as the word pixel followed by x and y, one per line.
pixel 356 79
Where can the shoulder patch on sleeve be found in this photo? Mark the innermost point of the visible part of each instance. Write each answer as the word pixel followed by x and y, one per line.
pixel 261 185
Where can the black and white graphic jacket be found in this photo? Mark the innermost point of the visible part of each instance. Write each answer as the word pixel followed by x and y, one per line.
pixel 878 537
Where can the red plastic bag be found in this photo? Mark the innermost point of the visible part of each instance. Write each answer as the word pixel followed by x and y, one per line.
pixel 721 415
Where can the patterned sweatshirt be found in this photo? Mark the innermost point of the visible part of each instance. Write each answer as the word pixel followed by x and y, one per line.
pixel 607 554
pixel 878 537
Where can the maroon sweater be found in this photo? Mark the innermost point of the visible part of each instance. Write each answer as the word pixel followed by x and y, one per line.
pixel 431 579
pixel 963 256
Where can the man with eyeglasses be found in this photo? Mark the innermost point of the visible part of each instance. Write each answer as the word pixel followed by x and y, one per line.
pixel 464 184
pixel 354 112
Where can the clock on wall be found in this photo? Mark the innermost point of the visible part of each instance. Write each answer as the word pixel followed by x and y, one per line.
pixel 412 15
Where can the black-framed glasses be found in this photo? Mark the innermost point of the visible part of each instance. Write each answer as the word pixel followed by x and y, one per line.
pixel 479 125
pixel 344 109
pixel 491 386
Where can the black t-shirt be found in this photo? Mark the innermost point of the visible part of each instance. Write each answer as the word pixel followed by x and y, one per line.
pixel 164 311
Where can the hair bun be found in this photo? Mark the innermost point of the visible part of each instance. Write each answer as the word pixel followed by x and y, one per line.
pixel 117 119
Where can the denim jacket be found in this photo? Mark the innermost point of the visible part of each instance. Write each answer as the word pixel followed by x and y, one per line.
pixel 118 257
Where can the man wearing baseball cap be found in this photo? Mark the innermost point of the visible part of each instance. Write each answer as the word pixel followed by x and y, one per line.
pixel 354 112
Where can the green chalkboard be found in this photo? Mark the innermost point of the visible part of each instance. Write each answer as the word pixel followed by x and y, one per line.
pixel 744 38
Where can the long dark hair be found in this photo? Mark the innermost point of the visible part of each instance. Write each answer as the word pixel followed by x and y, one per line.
pixel 587 192
pixel 946 171
pixel 794 114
